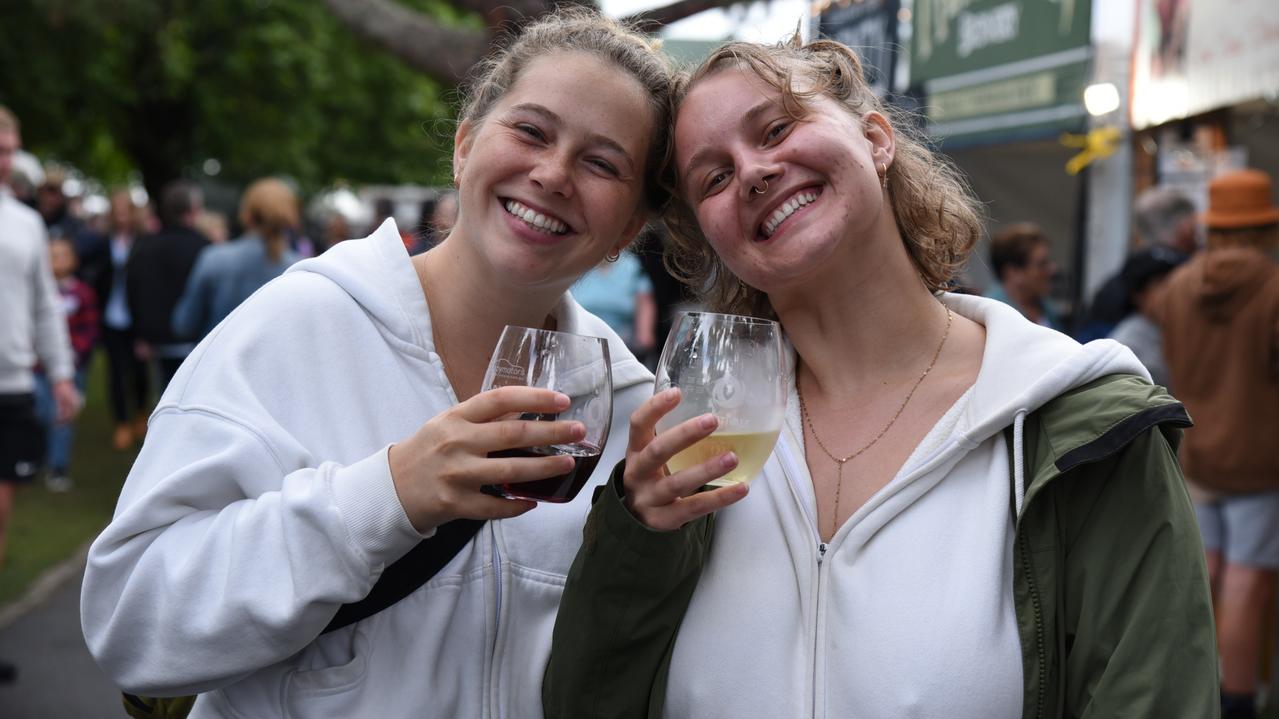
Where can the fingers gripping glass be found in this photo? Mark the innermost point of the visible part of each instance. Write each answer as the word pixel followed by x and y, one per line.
pixel 732 367
pixel 571 364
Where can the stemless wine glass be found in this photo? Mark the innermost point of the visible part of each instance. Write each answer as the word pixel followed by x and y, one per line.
pixel 574 365
pixel 730 366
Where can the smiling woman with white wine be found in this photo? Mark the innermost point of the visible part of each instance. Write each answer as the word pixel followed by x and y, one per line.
pixel 965 514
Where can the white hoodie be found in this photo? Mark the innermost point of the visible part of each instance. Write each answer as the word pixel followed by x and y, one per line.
pixel 908 611
pixel 262 501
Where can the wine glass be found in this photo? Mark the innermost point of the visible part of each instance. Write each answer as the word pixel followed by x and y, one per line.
pixel 574 365
pixel 730 366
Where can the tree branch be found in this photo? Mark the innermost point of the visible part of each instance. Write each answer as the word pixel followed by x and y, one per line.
pixel 441 52
pixel 659 17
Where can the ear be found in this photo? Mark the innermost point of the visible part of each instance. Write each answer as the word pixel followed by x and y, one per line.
pixel 463 139
pixel 883 140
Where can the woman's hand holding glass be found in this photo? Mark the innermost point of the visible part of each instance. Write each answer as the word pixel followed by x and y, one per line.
pixel 663 500
pixel 718 409
pixel 440 470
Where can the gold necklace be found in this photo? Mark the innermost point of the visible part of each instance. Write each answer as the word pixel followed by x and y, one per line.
pixel 841 461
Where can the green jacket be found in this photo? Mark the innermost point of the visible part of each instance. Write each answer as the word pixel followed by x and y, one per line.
pixel 1110 585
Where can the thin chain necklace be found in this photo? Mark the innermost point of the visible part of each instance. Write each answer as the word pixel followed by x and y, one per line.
pixel 841 461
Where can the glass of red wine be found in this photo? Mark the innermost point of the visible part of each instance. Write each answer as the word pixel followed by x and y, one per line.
pixel 575 365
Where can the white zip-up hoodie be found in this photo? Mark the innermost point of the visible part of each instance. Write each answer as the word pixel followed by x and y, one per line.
pixel 262 500
pixel 908 611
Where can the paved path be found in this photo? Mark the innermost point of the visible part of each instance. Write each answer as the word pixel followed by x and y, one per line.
pixel 56 676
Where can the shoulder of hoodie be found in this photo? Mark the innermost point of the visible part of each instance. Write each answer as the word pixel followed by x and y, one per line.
pixel 1101 417
pixel 11 210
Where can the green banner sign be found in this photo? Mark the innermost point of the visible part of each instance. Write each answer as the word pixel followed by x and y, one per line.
pixel 957 36
pixel 994 67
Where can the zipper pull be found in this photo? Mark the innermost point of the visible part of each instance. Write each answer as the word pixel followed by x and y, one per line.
pixel 821 553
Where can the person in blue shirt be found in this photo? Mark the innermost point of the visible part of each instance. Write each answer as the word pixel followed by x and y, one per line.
pixel 1025 269
pixel 618 292
pixel 225 275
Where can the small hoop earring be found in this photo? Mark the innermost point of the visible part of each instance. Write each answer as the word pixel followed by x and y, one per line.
pixel 756 190
pixel 613 256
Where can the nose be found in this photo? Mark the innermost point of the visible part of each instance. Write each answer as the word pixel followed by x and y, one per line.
pixel 757 175
pixel 553 173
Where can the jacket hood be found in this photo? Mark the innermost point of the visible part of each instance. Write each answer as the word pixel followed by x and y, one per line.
pixel 1226 278
pixel 1025 366
pixel 377 273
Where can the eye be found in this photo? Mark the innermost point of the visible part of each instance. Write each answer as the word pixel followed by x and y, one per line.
pixel 531 130
pixel 776 130
pixel 716 181
pixel 604 166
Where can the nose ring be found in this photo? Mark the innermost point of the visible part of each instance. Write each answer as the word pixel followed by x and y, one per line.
pixel 759 191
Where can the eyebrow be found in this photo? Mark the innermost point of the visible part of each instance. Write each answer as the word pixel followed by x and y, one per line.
pixel 593 137
pixel 748 118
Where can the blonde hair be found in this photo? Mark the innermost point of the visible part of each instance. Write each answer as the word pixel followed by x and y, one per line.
pixel 270 209
pixel 939 218
pixel 583 30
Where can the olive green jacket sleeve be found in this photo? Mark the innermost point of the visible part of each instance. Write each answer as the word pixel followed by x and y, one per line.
pixel 623 602
pixel 1110 582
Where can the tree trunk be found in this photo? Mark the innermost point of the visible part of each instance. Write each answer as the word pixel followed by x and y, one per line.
pixel 447 54
pixel 441 52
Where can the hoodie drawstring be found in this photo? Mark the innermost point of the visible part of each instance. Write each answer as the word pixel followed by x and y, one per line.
pixel 1019 459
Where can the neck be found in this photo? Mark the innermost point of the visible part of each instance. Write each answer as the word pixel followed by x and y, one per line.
pixel 868 321
pixel 470 306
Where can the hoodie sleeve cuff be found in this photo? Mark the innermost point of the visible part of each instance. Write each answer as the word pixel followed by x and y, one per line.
pixel 613 518
pixel 371 510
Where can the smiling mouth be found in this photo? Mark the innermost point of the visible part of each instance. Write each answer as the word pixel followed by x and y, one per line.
pixel 798 201
pixel 535 219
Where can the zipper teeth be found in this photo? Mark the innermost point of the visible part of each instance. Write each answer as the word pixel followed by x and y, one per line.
pixel 817 603
pixel 1039 625
pixel 497 613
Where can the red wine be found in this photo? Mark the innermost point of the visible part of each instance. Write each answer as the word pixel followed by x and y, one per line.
pixel 561 488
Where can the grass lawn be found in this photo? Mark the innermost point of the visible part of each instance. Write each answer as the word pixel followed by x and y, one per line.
pixel 47 528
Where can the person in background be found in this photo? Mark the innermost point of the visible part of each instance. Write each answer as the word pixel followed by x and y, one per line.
pixel 445 214
pixel 158 270
pixel 618 292
pixel 1219 314
pixel 105 268
pixel 79 305
pixel 55 208
pixel 213 225
pixel 1024 268
pixel 668 292
pixel 225 275
pixel 32 328
pixel 1163 217
pixel 1142 275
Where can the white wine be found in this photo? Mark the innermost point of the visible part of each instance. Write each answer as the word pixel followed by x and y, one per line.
pixel 752 450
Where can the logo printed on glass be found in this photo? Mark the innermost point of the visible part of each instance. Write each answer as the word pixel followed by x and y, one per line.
pixel 726 393
pixel 509 370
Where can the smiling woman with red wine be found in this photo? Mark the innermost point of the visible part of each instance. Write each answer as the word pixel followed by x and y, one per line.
pixel 965 515
pixel 335 421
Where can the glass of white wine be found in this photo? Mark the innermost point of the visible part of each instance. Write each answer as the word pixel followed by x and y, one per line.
pixel 730 366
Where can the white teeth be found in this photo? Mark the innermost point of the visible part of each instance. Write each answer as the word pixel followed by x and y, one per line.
pixel 786 210
pixel 536 219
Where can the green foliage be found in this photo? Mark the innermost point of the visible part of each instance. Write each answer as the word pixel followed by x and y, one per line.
pixel 263 86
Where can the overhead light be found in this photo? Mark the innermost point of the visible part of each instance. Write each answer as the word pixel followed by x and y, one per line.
pixel 1101 98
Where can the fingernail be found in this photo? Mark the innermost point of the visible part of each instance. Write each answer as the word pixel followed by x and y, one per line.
pixel 562 400
pixel 670 395
pixel 708 421
pixel 729 461
pixel 579 430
